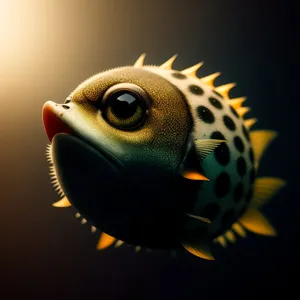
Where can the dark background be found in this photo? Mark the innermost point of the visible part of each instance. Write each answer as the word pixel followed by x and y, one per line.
pixel 47 48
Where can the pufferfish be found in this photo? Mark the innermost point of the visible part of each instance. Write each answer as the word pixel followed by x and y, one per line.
pixel 158 158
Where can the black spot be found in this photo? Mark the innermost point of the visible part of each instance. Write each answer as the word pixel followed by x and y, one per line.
pixel 222 185
pixel 218 94
pixel 228 218
pixel 239 144
pixel 217 135
pixel 238 192
pixel 215 102
pixel 246 133
pixel 179 75
pixel 221 153
pixel 229 123
pixel 249 196
pixel 234 111
pixel 211 211
pixel 195 89
pixel 205 114
pixel 252 176
pixel 251 155
pixel 241 166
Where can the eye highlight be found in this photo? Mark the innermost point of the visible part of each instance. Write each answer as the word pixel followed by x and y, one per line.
pixel 125 106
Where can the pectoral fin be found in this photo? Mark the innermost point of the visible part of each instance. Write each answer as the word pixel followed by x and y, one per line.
pixel 193 175
pixel 205 147
pixel 198 249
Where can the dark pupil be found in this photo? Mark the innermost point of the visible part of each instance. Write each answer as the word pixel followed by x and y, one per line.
pixel 123 104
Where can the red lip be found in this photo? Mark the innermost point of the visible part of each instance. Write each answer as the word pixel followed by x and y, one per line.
pixel 52 121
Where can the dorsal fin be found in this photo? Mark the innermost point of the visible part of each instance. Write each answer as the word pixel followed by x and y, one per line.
pixel 201 250
pixel 205 147
pixel 193 175
pixel 64 202
pixel 242 111
pixel 237 102
pixel 266 188
pixel 256 222
pixel 191 71
pixel 209 80
pixel 225 89
pixel 261 139
pixel 105 241
pixel 250 122
pixel 168 64
pixel 140 61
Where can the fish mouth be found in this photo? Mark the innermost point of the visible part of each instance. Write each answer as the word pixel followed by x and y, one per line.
pixel 53 124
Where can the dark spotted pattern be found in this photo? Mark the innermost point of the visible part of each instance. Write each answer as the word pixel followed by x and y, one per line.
pixel 238 192
pixel 229 123
pixel 234 111
pixel 215 102
pixel 205 114
pixel 179 75
pixel 221 153
pixel 218 94
pixel 241 166
pixel 246 133
pixel 211 211
pixel 238 143
pixel 196 90
pixel 222 185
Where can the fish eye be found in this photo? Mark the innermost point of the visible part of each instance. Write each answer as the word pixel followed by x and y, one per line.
pixel 125 106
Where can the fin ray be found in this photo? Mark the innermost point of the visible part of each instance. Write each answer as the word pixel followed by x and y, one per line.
pixel 193 175
pixel 202 219
pixel 261 139
pixel 257 223
pixel 200 250
pixel 168 64
pixel 250 122
pixel 140 61
pixel 64 202
pixel 205 147
pixel 209 80
pixel 225 89
pixel 191 71
pixel 265 188
pixel 105 241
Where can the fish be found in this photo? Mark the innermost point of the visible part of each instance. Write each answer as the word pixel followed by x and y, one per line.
pixel 160 159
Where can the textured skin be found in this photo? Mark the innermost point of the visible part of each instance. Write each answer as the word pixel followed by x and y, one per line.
pixel 164 146
pixel 221 208
pixel 160 143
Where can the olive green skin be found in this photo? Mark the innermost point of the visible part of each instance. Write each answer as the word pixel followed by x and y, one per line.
pixel 127 182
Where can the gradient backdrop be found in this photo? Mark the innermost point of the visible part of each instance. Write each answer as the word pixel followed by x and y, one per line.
pixel 47 48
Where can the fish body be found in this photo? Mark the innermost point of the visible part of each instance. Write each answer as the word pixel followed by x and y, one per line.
pixel 159 158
